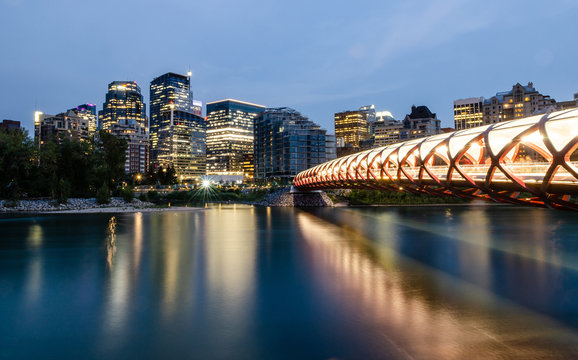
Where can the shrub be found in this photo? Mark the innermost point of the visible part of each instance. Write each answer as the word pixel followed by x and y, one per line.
pixel 12 203
pixel 143 196
pixel 103 195
pixel 153 196
pixel 127 193
pixel 62 191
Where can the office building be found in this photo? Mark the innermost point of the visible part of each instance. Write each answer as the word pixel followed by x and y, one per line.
pixel 286 143
pixel 181 144
pixel 123 114
pixel 468 113
pixel 197 107
pixel 123 105
pixel 352 128
pixel 230 136
pixel 387 131
pixel 177 131
pixel 89 113
pixel 66 125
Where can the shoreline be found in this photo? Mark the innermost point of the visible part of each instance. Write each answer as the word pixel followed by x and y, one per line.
pixel 86 206
pixel 111 209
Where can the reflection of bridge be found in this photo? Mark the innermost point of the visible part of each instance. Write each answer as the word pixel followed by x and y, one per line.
pixel 532 161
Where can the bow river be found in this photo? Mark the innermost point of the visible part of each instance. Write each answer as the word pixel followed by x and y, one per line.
pixel 243 282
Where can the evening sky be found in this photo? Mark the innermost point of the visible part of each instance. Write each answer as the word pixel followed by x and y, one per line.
pixel 319 57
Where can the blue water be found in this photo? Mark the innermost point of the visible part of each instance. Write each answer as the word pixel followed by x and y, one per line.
pixel 237 282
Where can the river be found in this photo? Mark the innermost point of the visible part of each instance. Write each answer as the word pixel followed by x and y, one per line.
pixel 242 282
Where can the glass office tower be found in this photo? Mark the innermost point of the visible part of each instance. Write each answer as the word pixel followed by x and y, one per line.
pixel 123 105
pixel 123 114
pixel 230 136
pixel 287 143
pixel 177 134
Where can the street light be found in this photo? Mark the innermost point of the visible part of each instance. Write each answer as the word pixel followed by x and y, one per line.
pixel 37 115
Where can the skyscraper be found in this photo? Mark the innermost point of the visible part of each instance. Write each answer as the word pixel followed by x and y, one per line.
pixel 287 142
pixel 123 105
pixel 178 135
pixel 230 136
pixel 123 114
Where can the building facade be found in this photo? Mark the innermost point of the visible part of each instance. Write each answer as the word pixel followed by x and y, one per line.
pixel 421 122
pixel 230 136
pixel 88 112
pixel 468 113
pixel 177 134
pixel 9 125
pixel 286 143
pixel 123 105
pixel 352 128
pixel 521 101
pixel 66 125
pixel 123 114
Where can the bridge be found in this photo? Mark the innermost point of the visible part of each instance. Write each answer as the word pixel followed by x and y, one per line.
pixel 529 161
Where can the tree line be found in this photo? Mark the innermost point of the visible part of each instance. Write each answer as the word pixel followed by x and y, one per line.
pixel 61 168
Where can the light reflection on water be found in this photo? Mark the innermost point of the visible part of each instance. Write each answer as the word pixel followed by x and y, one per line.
pixel 409 304
pixel 258 283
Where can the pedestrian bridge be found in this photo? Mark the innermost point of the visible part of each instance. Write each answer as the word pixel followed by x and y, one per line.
pixel 530 161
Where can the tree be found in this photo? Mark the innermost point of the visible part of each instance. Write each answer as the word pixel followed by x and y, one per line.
pixel 111 155
pixel 16 162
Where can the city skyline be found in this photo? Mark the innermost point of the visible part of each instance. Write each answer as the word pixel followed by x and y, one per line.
pixel 340 57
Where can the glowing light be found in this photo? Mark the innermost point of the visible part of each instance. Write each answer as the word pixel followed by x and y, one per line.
pixel 206 183
pixel 37 115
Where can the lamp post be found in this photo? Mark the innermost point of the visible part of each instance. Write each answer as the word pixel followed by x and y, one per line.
pixel 37 115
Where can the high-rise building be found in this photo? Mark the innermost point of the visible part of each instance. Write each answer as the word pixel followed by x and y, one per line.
pixel 286 143
pixel 88 112
pixel 177 134
pixel 182 144
pixel 123 105
pixel 352 128
pixel 123 114
pixel 230 136
pixel 197 107
pixel 468 113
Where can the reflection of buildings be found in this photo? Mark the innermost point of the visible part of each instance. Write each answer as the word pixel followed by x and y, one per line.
pixel 287 142
pixel 230 137
pixel 178 132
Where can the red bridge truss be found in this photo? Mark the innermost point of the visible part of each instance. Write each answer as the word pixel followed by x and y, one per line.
pixel 530 161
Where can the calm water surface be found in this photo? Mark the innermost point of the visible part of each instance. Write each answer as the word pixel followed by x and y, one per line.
pixel 237 282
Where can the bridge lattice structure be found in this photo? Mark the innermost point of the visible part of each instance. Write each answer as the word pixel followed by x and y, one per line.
pixel 529 161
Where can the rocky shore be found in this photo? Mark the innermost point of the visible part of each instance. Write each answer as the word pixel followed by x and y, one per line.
pixel 73 205
pixel 285 198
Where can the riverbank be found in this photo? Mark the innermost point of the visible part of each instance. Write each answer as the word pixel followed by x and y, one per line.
pixel 89 205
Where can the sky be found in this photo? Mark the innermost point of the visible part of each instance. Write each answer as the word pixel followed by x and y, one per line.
pixel 318 57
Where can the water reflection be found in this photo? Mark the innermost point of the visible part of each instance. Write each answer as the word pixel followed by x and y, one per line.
pixel 423 312
pixel 248 283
